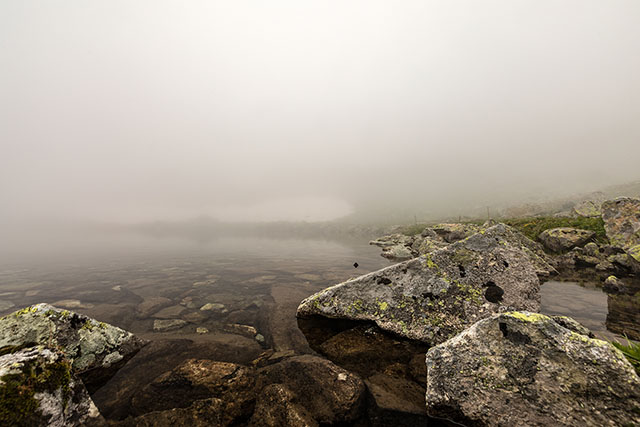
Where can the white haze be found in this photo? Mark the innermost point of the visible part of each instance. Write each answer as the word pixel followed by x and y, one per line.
pixel 141 111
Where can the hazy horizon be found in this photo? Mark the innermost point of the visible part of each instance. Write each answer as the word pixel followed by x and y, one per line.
pixel 132 112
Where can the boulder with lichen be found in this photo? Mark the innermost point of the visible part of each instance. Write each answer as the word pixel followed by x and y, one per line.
pixel 96 349
pixel 565 238
pixel 39 388
pixel 435 296
pixel 521 368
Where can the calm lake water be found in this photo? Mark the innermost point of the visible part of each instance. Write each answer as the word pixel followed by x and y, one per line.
pixel 250 282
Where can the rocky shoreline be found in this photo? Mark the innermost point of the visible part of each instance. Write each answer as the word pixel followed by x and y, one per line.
pixel 450 335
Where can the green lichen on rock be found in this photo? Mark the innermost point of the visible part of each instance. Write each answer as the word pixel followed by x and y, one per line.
pixel 531 370
pixel 431 297
pixel 634 252
pixel 84 341
pixel 27 375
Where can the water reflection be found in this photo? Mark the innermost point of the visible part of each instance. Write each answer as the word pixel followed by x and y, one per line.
pixel 606 315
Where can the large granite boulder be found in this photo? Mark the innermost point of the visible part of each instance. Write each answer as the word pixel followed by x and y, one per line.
pixel 38 388
pixel 436 296
pixel 328 393
pixel 197 379
pixel 520 368
pixel 565 238
pixel 96 350
pixel 621 218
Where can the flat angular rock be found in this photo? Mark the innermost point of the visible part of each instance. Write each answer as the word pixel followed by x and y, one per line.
pixel 172 312
pixel 38 388
pixel 151 305
pixel 521 368
pixel 435 296
pixel 165 325
pixel 95 349
pixel 565 238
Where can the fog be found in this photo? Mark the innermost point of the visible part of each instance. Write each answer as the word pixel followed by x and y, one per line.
pixel 131 112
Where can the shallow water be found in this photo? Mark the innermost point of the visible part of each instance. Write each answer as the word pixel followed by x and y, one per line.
pixel 258 281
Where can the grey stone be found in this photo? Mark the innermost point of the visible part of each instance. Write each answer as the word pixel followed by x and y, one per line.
pixel 39 388
pixel 436 296
pixel 96 349
pixel 522 368
pixel 565 238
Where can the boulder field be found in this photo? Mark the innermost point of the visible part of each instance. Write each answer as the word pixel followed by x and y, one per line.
pixel 492 359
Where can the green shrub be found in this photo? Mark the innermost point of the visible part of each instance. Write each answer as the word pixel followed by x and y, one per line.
pixel 631 351
pixel 532 227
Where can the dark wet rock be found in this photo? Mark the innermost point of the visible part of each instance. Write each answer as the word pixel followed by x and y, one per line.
pixel 395 401
pixel 329 393
pixel 436 296
pixel 39 388
pixel 160 356
pixel 96 349
pixel 623 313
pixel 277 406
pixel 522 368
pixel 365 350
pixel 565 238
pixel 202 413
pixel 622 221
pixel 587 209
pixel 197 379
pixel 151 305
pixel 165 325
pixel 270 356
pixel 393 368
pixel 613 285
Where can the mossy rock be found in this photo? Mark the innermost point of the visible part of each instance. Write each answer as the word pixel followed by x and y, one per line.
pixel 523 368
pixel 38 388
pixel 95 349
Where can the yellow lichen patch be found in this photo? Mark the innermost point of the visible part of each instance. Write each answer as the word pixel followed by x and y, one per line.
pixel 527 317
pixel 383 305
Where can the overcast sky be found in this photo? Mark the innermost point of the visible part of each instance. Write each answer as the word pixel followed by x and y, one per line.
pixel 160 110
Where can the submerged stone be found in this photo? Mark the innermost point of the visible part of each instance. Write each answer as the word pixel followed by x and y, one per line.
pixel 165 325
pixel 436 296
pixel 521 368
